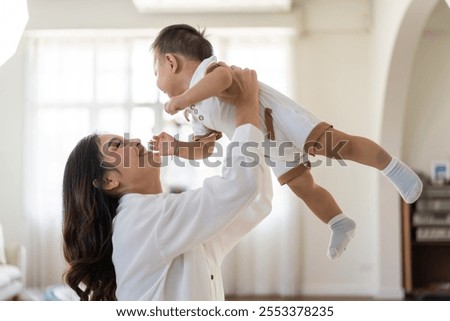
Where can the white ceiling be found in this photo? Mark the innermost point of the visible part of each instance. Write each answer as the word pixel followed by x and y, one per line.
pixel 212 6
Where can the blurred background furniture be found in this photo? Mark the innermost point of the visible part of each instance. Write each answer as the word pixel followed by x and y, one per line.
pixel 12 270
pixel 426 244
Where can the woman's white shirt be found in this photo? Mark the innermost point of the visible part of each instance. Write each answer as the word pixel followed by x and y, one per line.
pixel 171 246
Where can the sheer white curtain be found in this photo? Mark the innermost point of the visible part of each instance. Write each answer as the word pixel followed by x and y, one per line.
pixel 268 260
pixel 78 84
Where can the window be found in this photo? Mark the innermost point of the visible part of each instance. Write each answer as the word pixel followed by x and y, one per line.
pixel 80 83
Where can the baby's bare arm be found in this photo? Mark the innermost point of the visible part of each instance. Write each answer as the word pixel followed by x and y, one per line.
pixel 212 84
pixel 167 145
pixel 196 149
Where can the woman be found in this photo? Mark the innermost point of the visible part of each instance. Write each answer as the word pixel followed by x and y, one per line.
pixel 125 239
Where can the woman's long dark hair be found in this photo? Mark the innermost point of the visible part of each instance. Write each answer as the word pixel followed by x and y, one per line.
pixel 87 224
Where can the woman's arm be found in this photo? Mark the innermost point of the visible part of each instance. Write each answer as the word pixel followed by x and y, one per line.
pixel 224 241
pixel 193 217
pixel 212 84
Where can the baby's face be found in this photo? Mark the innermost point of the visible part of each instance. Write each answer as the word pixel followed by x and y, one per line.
pixel 165 76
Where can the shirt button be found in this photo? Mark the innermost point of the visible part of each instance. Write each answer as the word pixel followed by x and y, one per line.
pixel 201 117
pixel 212 277
pixel 192 106
pixel 196 111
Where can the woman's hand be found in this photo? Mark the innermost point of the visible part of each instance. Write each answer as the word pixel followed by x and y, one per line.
pixel 244 93
pixel 244 88
pixel 165 144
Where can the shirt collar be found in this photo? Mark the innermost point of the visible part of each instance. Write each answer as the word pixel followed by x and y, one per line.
pixel 201 69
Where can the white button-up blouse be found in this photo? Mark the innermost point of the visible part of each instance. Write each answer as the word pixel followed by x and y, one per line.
pixel 171 246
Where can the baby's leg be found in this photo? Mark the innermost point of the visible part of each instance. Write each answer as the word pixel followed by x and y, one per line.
pixel 336 144
pixel 323 205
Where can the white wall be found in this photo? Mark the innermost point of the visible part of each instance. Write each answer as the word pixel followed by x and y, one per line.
pixel 333 70
pixel 427 119
pixel 12 100
pixel 397 29
pixel 387 18
pixel 340 69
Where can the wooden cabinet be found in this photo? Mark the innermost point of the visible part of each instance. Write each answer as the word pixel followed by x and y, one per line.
pixel 426 245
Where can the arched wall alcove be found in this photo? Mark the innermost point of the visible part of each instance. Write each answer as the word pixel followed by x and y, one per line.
pixel 393 108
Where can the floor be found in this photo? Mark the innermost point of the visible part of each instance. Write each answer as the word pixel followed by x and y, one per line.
pixel 49 294
pixel 297 298
pixel 57 292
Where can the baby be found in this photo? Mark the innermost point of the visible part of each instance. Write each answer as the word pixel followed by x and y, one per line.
pixel 189 74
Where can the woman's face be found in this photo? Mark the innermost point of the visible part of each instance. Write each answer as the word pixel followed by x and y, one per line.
pixel 131 168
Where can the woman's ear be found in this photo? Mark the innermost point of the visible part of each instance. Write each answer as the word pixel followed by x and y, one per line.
pixel 109 182
pixel 172 60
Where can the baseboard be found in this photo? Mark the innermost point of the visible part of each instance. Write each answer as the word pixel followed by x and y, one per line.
pixel 389 294
pixel 319 292
pixel 338 290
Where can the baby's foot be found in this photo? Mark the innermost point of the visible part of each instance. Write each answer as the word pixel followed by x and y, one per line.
pixel 343 230
pixel 407 183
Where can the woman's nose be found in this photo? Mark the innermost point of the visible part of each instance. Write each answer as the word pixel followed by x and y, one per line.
pixel 135 141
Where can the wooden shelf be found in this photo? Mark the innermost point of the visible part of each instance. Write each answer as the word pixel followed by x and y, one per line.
pixel 430 243
pixel 426 264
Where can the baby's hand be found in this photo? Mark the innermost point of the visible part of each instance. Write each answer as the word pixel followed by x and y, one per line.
pixel 175 104
pixel 164 143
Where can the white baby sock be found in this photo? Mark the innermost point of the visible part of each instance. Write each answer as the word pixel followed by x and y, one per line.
pixel 407 183
pixel 343 230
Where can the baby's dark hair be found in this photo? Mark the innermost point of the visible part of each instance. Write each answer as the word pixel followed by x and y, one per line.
pixel 185 40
